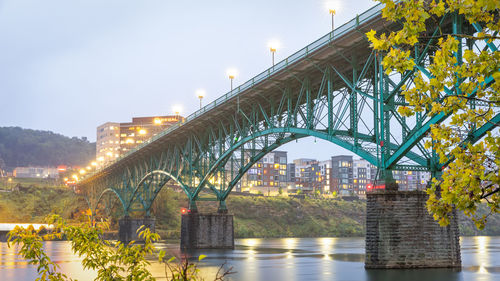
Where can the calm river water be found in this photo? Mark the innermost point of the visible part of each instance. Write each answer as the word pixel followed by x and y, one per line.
pixel 284 259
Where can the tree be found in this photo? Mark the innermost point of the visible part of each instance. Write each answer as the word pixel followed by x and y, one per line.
pixel 111 261
pixel 461 80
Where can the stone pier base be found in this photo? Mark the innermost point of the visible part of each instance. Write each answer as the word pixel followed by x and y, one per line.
pixel 400 233
pixel 207 231
pixel 128 228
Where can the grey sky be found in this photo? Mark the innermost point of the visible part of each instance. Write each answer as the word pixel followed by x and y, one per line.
pixel 71 65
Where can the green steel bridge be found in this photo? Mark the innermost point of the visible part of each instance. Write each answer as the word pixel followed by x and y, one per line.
pixel 334 89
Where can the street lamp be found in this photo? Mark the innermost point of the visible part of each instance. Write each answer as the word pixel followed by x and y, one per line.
pixel 332 7
pixel 177 110
pixel 231 73
pixel 273 46
pixel 201 94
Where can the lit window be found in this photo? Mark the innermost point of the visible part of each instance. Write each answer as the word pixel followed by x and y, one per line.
pixel 142 132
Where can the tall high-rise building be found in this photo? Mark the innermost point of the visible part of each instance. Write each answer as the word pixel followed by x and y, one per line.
pixel 107 143
pixel 115 139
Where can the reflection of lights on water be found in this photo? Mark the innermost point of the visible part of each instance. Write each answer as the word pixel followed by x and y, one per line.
pixel 290 245
pixel 252 244
pixel 10 226
pixel 483 259
pixel 327 245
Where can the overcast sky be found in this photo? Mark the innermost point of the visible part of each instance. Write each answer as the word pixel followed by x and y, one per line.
pixel 70 65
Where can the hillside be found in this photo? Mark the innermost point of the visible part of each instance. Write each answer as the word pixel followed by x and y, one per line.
pixel 25 147
pixel 253 216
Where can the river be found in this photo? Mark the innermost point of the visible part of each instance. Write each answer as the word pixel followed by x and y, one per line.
pixel 284 259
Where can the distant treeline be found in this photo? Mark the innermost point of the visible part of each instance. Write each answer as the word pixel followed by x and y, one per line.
pixel 24 147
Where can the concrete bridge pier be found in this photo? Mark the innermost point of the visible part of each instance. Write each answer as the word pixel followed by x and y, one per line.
pixel 207 231
pixel 400 233
pixel 128 227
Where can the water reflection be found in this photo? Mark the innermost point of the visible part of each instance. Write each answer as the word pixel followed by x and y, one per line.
pixel 482 256
pixel 284 259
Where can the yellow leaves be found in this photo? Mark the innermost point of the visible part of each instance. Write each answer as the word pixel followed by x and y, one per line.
pixel 437 9
pixel 398 60
pixel 405 111
pixel 448 85
pixel 377 44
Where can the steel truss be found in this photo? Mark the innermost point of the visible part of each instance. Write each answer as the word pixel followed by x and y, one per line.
pixel 354 107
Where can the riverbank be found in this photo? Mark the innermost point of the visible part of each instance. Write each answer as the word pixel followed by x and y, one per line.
pixel 254 216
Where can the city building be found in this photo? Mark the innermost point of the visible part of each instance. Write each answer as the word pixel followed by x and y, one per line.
pixel 115 139
pixel 108 142
pixel 36 172
pixel 342 175
pixel 363 174
pixel 307 174
pixel 325 168
pixel 268 175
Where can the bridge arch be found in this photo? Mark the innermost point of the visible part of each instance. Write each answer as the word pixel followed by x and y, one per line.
pixel 288 134
pixel 147 202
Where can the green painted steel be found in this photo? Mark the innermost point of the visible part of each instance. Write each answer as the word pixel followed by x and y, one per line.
pixel 334 89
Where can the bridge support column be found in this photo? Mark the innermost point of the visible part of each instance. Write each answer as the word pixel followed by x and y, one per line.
pixel 400 233
pixel 128 227
pixel 207 231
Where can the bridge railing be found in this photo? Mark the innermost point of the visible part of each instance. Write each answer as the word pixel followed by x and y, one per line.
pixel 297 56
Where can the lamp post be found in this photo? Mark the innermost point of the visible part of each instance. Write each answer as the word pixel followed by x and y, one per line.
pixel 273 46
pixel 231 73
pixel 332 12
pixel 201 94
pixel 177 111
pixel 332 7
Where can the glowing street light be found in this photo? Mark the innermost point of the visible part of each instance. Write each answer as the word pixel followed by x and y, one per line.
pixel 94 163
pixel 200 93
pixel 232 73
pixel 332 7
pixel 273 46
pixel 177 110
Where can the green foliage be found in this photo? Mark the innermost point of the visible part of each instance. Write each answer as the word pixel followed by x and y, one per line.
pixel 453 83
pixel 32 250
pixel 23 147
pixel 111 261
pixel 33 204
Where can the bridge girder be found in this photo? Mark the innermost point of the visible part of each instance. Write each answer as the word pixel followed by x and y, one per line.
pixel 347 99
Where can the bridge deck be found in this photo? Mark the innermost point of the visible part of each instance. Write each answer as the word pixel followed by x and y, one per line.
pixel 335 48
